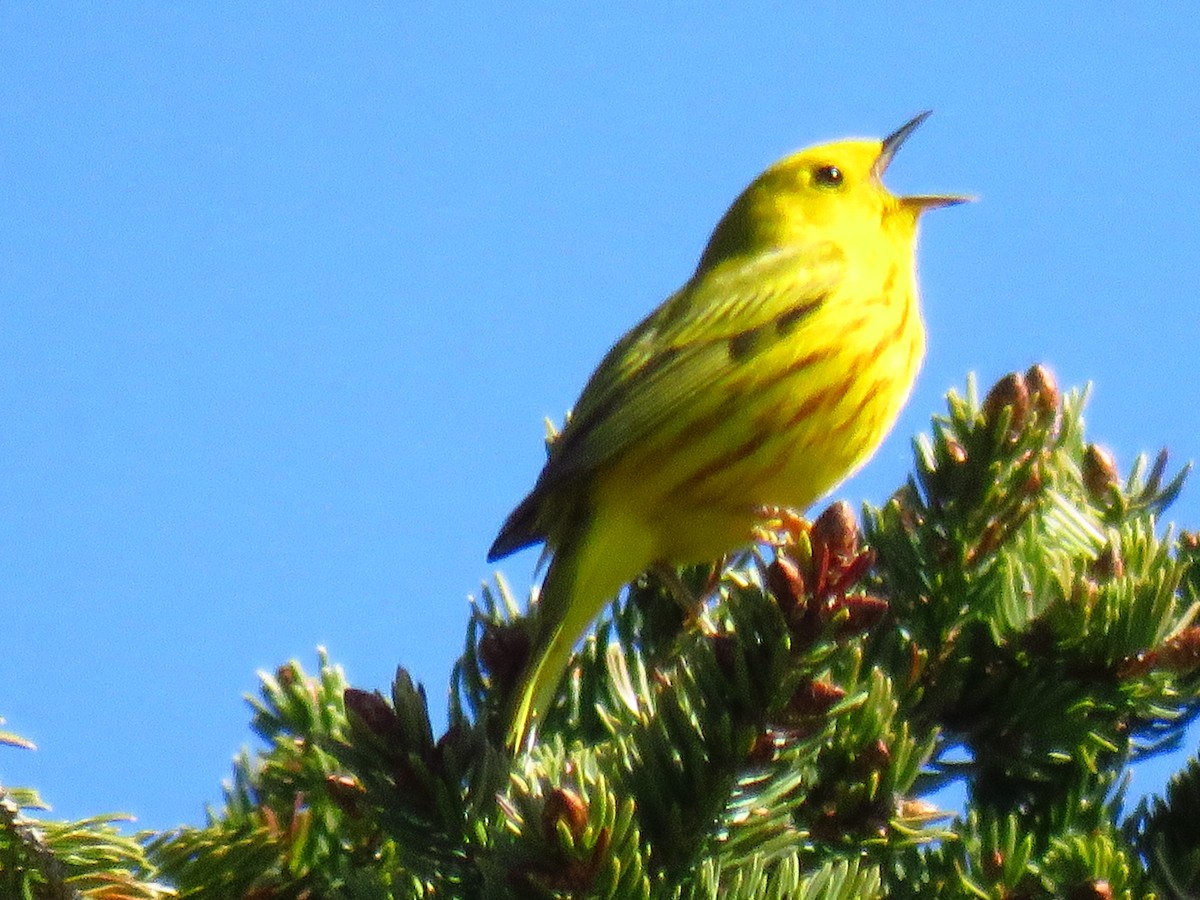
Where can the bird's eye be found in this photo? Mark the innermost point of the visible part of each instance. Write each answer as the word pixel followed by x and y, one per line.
pixel 827 176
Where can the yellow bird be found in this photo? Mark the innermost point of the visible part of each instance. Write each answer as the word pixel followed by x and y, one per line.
pixel 770 376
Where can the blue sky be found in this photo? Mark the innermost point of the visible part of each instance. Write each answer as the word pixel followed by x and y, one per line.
pixel 286 290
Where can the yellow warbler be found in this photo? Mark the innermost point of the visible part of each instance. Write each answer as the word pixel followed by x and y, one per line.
pixel 770 376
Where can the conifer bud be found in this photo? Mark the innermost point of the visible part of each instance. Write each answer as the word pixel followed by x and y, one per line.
pixel 862 613
pixel 916 809
pixel 1180 653
pixel 1009 392
pixel 287 674
pixel 373 711
pixel 785 581
pixel 994 533
pixel 909 507
pixel 802 612
pixel 834 534
pixel 1043 391
pixel 1137 665
pixel 1097 889
pixel 504 650
pixel 563 804
pixel 993 864
pixel 765 748
pixel 346 794
pixel 1109 563
pixel 1033 482
pixel 724 648
pixel 874 757
pixel 451 748
pixel 815 698
pixel 1099 473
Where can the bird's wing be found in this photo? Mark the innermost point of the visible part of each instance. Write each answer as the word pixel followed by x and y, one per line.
pixel 660 371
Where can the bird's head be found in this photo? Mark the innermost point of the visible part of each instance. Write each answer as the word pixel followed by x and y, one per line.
pixel 828 192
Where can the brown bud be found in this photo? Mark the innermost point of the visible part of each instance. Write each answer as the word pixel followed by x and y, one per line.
pixel 921 810
pixel 806 624
pixel 411 778
pixel 862 613
pixel 834 534
pixel 373 710
pixel 764 749
pixel 827 828
pixel 994 533
pixel 1009 392
pixel 1109 563
pixel 1085 591
pixel 1099 473
pixel 908 504
pixel 1180 653
pixel 944 550
pixel 875 756
pixel 1043 391
pixel 956 451
pixel 451 748
pixel 563 804
pixel 1033 482
pixel 504 650
pixel 993 864
pixel 287 674
pixel 270 820
pixel 725 652
pixel 600 851
pixel 346 794
pixel 786 584
pixel 849 573
pixel 815 698
pixel 1138 664
pixel 785 581
pixel 917 661
pixel 1097 889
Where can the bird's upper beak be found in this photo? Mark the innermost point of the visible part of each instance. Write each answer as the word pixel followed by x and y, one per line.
pixel 891 144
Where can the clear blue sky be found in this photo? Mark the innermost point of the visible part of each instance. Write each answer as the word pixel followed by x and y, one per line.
pixel 286 290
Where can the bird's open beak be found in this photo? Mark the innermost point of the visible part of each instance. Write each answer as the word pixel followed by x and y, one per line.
pixel 923 202
pixel 891 144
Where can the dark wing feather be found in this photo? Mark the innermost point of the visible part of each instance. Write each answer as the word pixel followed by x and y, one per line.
pixel 656 371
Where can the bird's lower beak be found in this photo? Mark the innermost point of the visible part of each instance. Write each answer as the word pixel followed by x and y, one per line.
pixel 891 144
pixel 922 202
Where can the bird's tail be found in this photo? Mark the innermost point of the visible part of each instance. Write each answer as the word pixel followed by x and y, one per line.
pixel 580 581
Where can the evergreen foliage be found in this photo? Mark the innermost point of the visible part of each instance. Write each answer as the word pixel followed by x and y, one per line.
pixel 1014 621
pixel 49 860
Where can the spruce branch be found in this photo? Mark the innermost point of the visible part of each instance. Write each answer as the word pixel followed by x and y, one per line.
pixel 1016 620
pixel 47 859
